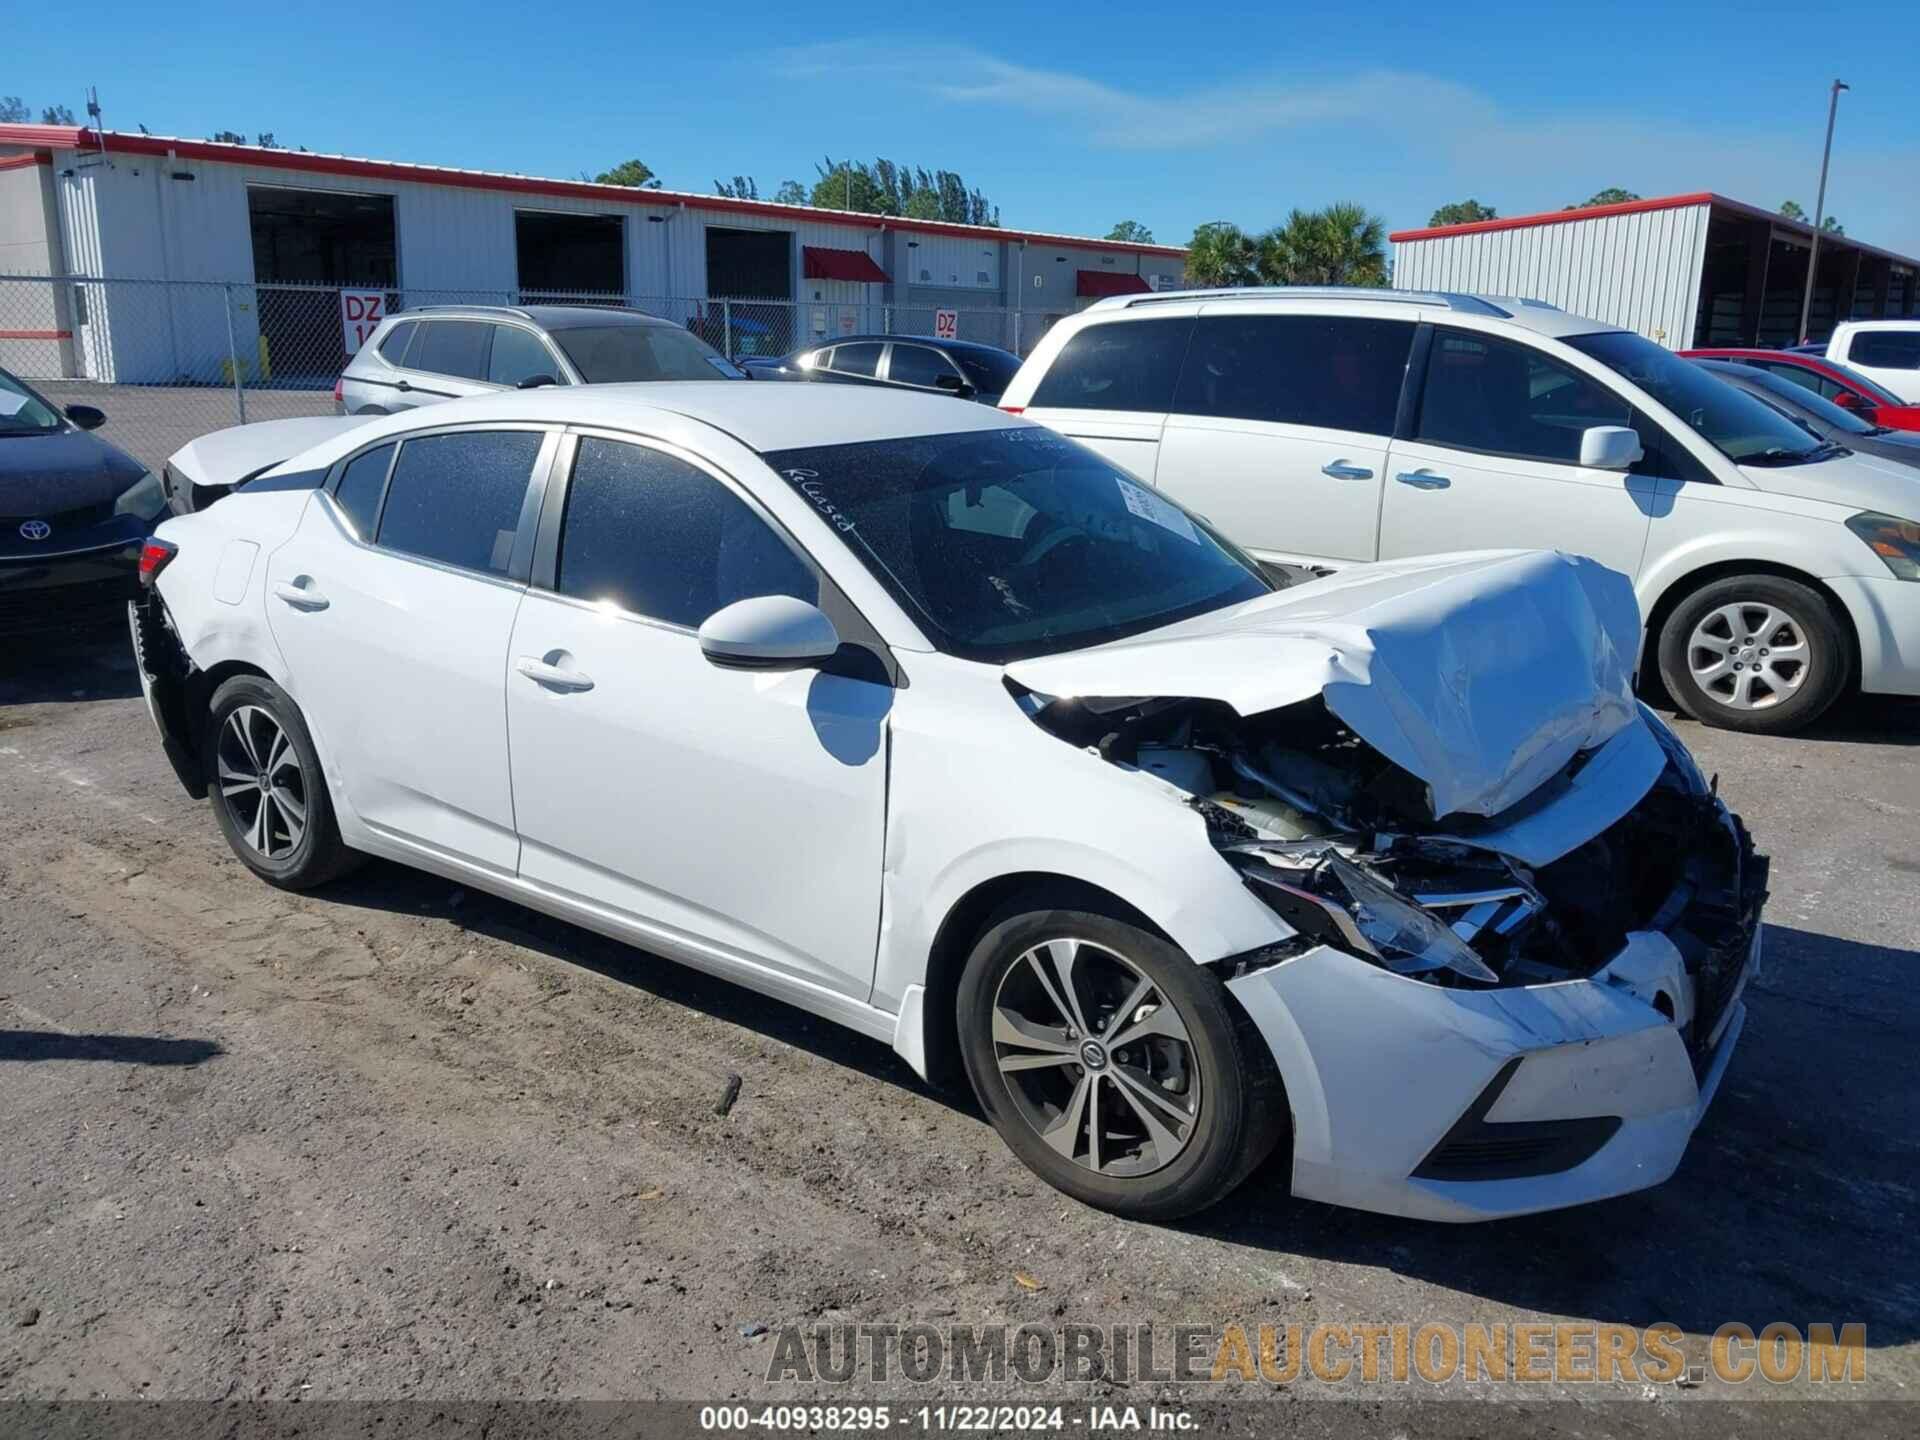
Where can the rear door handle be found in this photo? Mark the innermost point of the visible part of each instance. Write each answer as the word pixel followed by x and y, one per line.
pixel 1423 480
pixel 1341 470
pixel 401 385
pixel 300 597
pixel 552 676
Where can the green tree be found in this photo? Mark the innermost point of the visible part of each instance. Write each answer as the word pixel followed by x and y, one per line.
pixel 56 115
pixel 1832 226
pixel 1791 209
pixel 922 204
pixel 1343 244
pixel 1220 255
pixel 741 187
pixel 887 187
pixel 635 173
pixel 1131 230
pixel 844 185
pixel 1462 212
pixel 791 192
pixel 266 141
pixel 1612 195
pixel 228 137
pixel 13 110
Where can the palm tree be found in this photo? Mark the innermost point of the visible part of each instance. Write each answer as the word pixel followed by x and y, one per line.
pixel 1220 255
pixel 1340 245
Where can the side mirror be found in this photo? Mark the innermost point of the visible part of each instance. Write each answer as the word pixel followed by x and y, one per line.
pixel 86 416
pixel 955 386
pixel 534 382
pixel 1847 400
pixel 768 632
pixel 1609 447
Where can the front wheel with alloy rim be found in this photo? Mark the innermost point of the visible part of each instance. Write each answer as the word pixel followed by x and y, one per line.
pixel 268 794
pixel 1115 1067
pixel 1754 652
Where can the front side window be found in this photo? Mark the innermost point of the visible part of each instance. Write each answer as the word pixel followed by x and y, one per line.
pixel 1733 422
pixel 660 538
pixel 862 359
pixel 1013 542
pixel 1886 349
pixel 518 355
pixel 22 412
pixel 1122 365
pixel 456 498
pixel 452 347
pixel 988 372
pixel 362 483
pixel 918 365
pixel 1486 393
pixel 607 354
pixel 1322 370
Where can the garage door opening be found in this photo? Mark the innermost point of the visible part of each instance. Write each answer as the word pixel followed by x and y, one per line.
pixel 749 265
pixel 570 257
pixel 316 238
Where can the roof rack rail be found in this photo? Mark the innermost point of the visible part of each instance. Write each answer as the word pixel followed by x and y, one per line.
pixel 519 310
pixel 1452 299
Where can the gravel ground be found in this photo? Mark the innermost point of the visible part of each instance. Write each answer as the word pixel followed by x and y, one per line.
pixel 150 422
pixel 400 1140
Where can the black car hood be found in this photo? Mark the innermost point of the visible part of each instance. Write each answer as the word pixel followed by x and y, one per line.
pixel 46 475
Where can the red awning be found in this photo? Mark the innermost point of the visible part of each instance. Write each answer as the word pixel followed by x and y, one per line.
pixel 824 264
pixel 1099 283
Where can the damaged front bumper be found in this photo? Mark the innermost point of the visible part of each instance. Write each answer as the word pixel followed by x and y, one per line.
pixel 1461 1103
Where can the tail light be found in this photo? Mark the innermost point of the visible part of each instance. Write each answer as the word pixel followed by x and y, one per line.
pixel 339 393
pixel 1014 409
pixel 154 557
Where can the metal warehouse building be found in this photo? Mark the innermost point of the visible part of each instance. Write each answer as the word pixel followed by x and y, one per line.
pixel 1685 270
pixel 118 213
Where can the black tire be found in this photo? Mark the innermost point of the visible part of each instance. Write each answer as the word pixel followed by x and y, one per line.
pixel 1241 1108
pixel 317 854
pixel 1804 616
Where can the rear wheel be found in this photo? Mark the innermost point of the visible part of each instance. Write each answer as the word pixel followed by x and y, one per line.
pixel 1115 1067
pixel 269 796
pixel 1754 652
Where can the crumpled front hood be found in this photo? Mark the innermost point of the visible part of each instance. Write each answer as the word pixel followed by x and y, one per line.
pixel 1483 674
pixel 225 457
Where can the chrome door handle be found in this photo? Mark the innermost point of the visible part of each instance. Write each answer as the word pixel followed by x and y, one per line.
pixel 1423 480
pixel 1341 470
pixel 552 676
pixel 300 597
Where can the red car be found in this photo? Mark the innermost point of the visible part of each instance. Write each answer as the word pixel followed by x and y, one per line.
pixel 1844 386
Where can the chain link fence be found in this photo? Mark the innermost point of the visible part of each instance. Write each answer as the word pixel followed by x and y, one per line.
pixel 170 360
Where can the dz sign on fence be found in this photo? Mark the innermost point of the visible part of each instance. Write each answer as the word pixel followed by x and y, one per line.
pixel 946 324
pixel 361 312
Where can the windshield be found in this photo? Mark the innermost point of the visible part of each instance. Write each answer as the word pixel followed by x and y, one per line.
pixel 1016 542
pixel 22 412
pixel 1740 427
pixel 987 372
pixel 1796 398
pixel 604 354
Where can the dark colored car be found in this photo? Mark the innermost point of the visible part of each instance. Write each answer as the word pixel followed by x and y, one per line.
pixel 74 512
pixel 964 368
pixel 1830 380
pixel 1824 418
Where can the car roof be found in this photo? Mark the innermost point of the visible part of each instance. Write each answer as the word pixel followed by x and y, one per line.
pixel 976 347
pixel 1530 314
pixel 762 417
pixel 547 317
pixel 1909 324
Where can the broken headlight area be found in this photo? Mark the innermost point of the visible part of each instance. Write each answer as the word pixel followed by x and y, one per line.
pixel 1341 844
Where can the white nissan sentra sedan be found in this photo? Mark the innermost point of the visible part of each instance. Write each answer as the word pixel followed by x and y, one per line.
pixel 931 721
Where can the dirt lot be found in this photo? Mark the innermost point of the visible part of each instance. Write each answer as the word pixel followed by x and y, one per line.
pixel 397 1139
pixel 150 422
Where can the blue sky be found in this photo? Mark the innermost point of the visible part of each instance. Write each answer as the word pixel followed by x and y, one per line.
pixel 1160 113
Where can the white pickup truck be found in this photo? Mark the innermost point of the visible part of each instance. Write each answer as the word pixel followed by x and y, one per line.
pixel 1887 351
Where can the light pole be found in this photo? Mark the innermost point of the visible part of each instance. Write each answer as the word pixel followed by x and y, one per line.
pixel 1819 210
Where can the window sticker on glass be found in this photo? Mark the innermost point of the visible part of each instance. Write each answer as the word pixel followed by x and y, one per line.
pixel 1151 508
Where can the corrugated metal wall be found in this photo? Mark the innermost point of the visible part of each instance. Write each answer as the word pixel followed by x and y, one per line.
pixel 1639 271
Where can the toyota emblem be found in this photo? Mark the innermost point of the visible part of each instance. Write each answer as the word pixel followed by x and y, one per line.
pixel 35 530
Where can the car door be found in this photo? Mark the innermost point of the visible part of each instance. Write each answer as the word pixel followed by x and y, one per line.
pixel 446 361
pixel 1111 385
pixel 393 604
pixel 739 813
pixel 520 356
pixel 1280 425
pixel 921 367
pixel 1493 461
pixel 855 363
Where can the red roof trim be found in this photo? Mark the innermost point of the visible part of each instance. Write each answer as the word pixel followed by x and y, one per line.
pixel 1101 283
pixel 21 162
pixel 67 137
pixel 1559 217
pixel 36 334
pixel 823 263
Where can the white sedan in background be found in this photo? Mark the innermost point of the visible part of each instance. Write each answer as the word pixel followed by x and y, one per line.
pixel 931 721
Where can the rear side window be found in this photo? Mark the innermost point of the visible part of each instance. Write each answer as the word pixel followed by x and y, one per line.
pixel 1323 370
pixel 1801 376
pixel 361 485
pixel 519 355
pixel 918 365
pixel 861 359
pixel 1123 365
pixel 394 346
pixel 452 347
pixel 456 498
pixel 1489 394
pixel 1886 349
pixel 662 539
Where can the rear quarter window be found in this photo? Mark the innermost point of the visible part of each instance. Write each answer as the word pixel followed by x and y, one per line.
pixel 1120 365
pixel 393 345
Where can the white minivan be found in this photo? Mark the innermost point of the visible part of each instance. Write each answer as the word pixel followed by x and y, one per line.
pixel 1324 428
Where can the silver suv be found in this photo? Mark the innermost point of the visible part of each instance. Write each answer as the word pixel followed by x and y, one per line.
pixel 444 352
